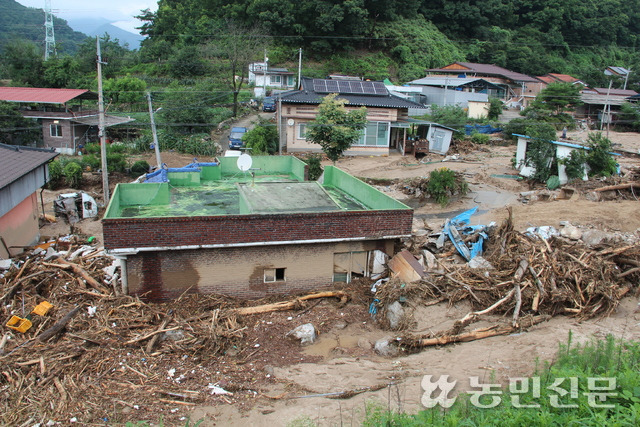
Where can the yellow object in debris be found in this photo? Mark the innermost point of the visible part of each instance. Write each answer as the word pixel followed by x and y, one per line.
pixel 23 325
pixel 42 308
pixel 19 324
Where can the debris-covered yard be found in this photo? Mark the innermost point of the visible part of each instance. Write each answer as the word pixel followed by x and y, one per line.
pixel 549 265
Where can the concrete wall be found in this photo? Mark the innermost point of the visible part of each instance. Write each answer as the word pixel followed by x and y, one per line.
pixel 477 109
pixel 239 272
pixel 19 226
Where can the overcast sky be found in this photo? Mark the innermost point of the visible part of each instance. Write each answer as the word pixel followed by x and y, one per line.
pixel 120 12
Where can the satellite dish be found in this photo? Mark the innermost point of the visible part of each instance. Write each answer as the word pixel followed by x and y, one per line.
pixel 244 162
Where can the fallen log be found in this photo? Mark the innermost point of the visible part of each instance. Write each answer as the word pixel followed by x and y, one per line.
pixel 163 325
pixel 66 265
pixel 476 334
pixel 289 305
pixel 58 326
pixel 627 186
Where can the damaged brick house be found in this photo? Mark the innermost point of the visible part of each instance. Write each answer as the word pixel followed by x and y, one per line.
pixel 212 228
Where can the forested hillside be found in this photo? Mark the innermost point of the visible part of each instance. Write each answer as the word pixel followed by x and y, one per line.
pixel 533 37
pixel 21 23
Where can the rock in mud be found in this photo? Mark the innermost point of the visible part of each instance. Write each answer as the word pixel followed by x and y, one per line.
pixel 305 333
pixel 386 347
pixel 394 314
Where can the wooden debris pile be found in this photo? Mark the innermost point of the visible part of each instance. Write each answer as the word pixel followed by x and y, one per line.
pixel 100 355
pixel 530 280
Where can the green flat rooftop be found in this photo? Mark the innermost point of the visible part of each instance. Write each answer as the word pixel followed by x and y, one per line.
pixel 271 190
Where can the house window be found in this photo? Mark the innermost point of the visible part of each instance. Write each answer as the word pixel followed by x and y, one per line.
pixel 276 79
pixel 290 81
pixel 302 131
pixel 55 130
pixel 274 275
pixel 375 134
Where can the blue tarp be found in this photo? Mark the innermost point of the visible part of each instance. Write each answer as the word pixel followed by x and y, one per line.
pixel 161 175
pixel 469 129
pixel 460 225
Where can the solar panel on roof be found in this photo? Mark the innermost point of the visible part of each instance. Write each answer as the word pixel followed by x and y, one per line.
pixel 332 86
pixel 319 85
pixel 368 88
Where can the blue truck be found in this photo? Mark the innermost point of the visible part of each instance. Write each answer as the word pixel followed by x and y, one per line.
pixel 269 105
pixel 235 138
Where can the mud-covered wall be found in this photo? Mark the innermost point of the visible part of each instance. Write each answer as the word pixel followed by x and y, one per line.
pixel 238 272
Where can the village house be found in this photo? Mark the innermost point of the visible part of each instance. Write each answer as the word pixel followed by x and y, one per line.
pixel 249 229
pixel 67 121
pixel 23 170
pixel 261 76
pixel 602 104
pixel 517 89
pixel 388 127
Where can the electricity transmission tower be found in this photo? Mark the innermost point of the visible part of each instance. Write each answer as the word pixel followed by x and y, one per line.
pixel 50 39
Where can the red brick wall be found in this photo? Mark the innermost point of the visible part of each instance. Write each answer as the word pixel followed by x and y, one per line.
pixel 230 229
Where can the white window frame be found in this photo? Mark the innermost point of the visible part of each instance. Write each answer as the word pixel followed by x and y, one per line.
pixel 363 137
pixel 276 78
pixel 271 275
pixel 301 130
pixel 58 128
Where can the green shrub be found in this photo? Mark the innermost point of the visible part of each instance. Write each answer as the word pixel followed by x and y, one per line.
pixel 315 168
pixel 116 162
pixel 92 161
pixel 444 183
pixel 600 162
pixel 55 174
pixel 92 148
pixel 480 138
pixel 574 164
pixel 139 168
pixel 73 174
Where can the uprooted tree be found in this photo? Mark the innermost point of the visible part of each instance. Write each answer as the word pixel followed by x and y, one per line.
pixel 336 128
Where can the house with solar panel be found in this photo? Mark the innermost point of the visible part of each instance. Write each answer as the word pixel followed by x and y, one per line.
pixel 69 117
pixel 389 127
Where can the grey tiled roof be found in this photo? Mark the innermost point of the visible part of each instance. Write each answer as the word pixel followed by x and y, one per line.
pixel 17 161
pixel 308 96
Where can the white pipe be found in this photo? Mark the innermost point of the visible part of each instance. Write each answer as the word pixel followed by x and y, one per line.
pixel 132 251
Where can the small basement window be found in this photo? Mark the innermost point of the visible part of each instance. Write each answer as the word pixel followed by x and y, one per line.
pixel 274 275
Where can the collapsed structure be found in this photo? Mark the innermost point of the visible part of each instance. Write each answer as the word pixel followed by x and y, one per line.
pixel 263 230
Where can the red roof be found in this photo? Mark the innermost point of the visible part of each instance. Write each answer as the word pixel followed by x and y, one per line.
pixel 563 77
pixel 43 95
pixel 486 69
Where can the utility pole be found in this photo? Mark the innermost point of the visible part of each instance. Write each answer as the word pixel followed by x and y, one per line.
pixel 605 114
pixel 626 79
pixel 49 39
pixel 266 67
pixel 101 128
pixel 299 67
pixel 155 133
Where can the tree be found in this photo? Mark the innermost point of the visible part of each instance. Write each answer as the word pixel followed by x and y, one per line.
pixel 495 108
pixel 125 90
pixel 558 98
pixel 238 46
pixel 335 128
pixel 262 139
pixel 23 63
pixel 16 129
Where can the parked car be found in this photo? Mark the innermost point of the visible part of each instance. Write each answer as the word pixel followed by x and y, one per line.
pixel 235 138
pixel 269 105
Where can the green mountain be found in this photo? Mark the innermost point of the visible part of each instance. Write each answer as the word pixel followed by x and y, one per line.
pixel 18 22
